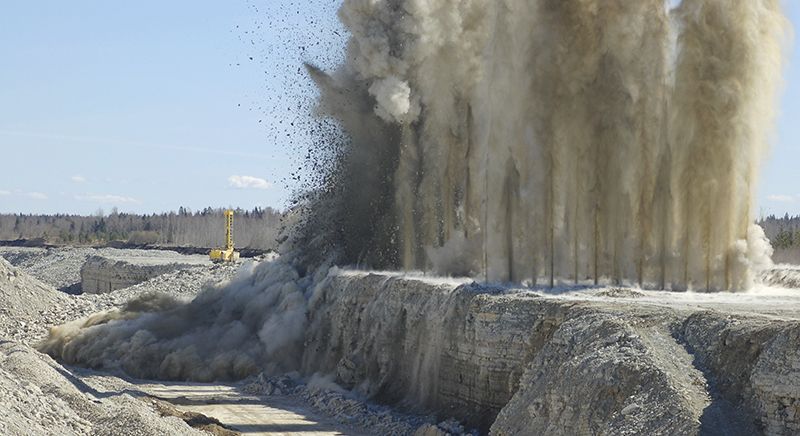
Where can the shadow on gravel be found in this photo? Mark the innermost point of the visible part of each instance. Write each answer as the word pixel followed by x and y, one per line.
pixel 210 401
pixel 721 417
pixel 195 420
pixel 86 389
pixel 163 406
pixel 73 289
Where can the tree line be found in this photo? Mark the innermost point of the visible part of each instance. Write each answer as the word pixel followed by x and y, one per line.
pixel 784 234
pixel 257 228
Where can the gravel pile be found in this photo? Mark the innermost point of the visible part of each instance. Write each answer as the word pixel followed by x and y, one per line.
pixel 29 307
pixel 61 267
pixel 181 284
pixel 58 267
pixel 39 397
pixel 619 293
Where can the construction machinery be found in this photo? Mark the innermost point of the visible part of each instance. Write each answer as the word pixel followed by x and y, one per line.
pixel 227 254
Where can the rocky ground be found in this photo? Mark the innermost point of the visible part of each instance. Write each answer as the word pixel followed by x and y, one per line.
pixel 566 361
pixel 33 302
pixel 61 267
pixel 39 396
pixel 505 361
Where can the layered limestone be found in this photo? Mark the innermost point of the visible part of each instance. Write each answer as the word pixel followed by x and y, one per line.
pixel 106 273
pixel 580 363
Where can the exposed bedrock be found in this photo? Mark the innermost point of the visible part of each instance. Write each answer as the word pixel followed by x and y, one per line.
pixel 531 364
pixel 588 361
pixel 427 346
pixel 101 274
pixel 754 363
pixel 784 275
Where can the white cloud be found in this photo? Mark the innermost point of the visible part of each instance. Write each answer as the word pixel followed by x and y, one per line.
pixel 78 178
pixel 106 199
pixel 36 195
pixel 248 182
pixel 4 193
pixel 781 198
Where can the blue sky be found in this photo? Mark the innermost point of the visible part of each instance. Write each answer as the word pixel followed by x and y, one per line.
pixel 152 105
pixel 779 187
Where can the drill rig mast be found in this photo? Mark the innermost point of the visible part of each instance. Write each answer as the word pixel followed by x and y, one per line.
pixel 227 254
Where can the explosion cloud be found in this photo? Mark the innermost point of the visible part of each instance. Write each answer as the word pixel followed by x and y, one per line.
pixel 546 141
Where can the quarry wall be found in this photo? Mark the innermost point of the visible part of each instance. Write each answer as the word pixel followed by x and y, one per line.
pixel 528 364
pixel 103 274
pixel 505 361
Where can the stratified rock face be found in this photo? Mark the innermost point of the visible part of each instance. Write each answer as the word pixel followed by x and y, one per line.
pixel 784 276
pixel 531 364
pixel 776 384
pixel 755 364
pixel 601 375
pixel 445 348
pixel 586 361
pixel 102 274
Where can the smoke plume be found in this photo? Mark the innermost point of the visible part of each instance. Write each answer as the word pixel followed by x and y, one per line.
pixel 592 140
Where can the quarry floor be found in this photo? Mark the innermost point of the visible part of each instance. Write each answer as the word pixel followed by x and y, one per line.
pixel 236 410
pixel 81 401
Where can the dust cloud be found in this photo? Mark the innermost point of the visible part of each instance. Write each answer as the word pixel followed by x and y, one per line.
pixel 254 323
pixel 569 141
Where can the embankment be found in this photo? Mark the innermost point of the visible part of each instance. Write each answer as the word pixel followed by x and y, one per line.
pixel 529 363
pixel 505 361
pixel 106 273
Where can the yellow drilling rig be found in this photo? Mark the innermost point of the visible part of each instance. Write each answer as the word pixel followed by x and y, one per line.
pixel 226 254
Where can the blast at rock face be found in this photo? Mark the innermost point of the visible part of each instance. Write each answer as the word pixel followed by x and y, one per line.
pixel 546 141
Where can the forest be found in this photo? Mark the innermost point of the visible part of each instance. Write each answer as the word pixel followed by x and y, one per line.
pixel 257 228
pixel 784 234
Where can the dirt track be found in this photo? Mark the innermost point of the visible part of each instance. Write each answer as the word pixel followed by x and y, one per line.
pixel 236 410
